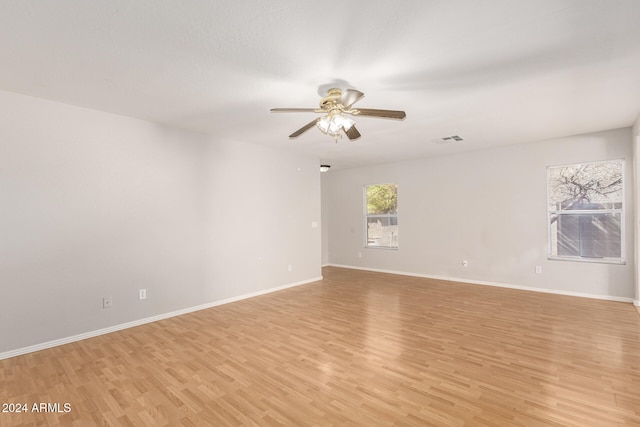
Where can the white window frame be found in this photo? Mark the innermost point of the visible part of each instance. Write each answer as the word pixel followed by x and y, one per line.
pixel 621 211
pixel 367 215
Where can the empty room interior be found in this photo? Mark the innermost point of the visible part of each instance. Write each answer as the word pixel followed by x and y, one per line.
pixel 368 213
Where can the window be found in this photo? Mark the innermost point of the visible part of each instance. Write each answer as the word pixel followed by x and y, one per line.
pixel 586 216
pixel 381 216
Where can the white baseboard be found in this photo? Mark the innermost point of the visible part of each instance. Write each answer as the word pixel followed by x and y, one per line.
pixel 91 334
pixel 636 302
pixel 485 283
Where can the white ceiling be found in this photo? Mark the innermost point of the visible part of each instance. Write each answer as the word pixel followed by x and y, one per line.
pixel 492 71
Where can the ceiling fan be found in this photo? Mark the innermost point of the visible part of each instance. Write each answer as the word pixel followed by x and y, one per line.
pixel 335 106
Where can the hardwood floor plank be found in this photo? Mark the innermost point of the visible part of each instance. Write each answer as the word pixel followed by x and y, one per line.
pixel 357 348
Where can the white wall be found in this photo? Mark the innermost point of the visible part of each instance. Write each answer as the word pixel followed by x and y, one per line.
pixel 488 207
pixel 635 133
pixel 94 204
pixel 325 219
pixel 261 204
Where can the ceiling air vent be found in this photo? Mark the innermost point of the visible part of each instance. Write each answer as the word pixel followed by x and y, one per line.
pixel 452 138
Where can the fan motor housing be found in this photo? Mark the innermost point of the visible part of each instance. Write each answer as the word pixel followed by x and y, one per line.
pixel 332 98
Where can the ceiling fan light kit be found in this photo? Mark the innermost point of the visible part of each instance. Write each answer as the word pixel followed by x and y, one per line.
pixel 335 105
pixel 332 124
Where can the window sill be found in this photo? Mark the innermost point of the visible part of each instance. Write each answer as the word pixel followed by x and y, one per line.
pixel 617 261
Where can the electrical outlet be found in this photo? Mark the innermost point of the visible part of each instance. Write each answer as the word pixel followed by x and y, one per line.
pixel 142 294
pixel 465 263
pixel 290 267
pixel 107 302
pixel 359 254
pixel 538 269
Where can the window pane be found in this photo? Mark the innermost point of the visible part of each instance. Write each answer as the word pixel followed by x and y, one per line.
pixel 382 199
pixel 588 235
pixel 382 232
pixel 585 186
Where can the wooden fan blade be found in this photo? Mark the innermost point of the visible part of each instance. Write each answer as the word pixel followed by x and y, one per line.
pixel 303 129
pixel 350 97
pixel 294 110
pixel 352 133
pixel 390 114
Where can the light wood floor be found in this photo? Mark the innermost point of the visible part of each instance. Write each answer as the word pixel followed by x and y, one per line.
pixel 357 348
